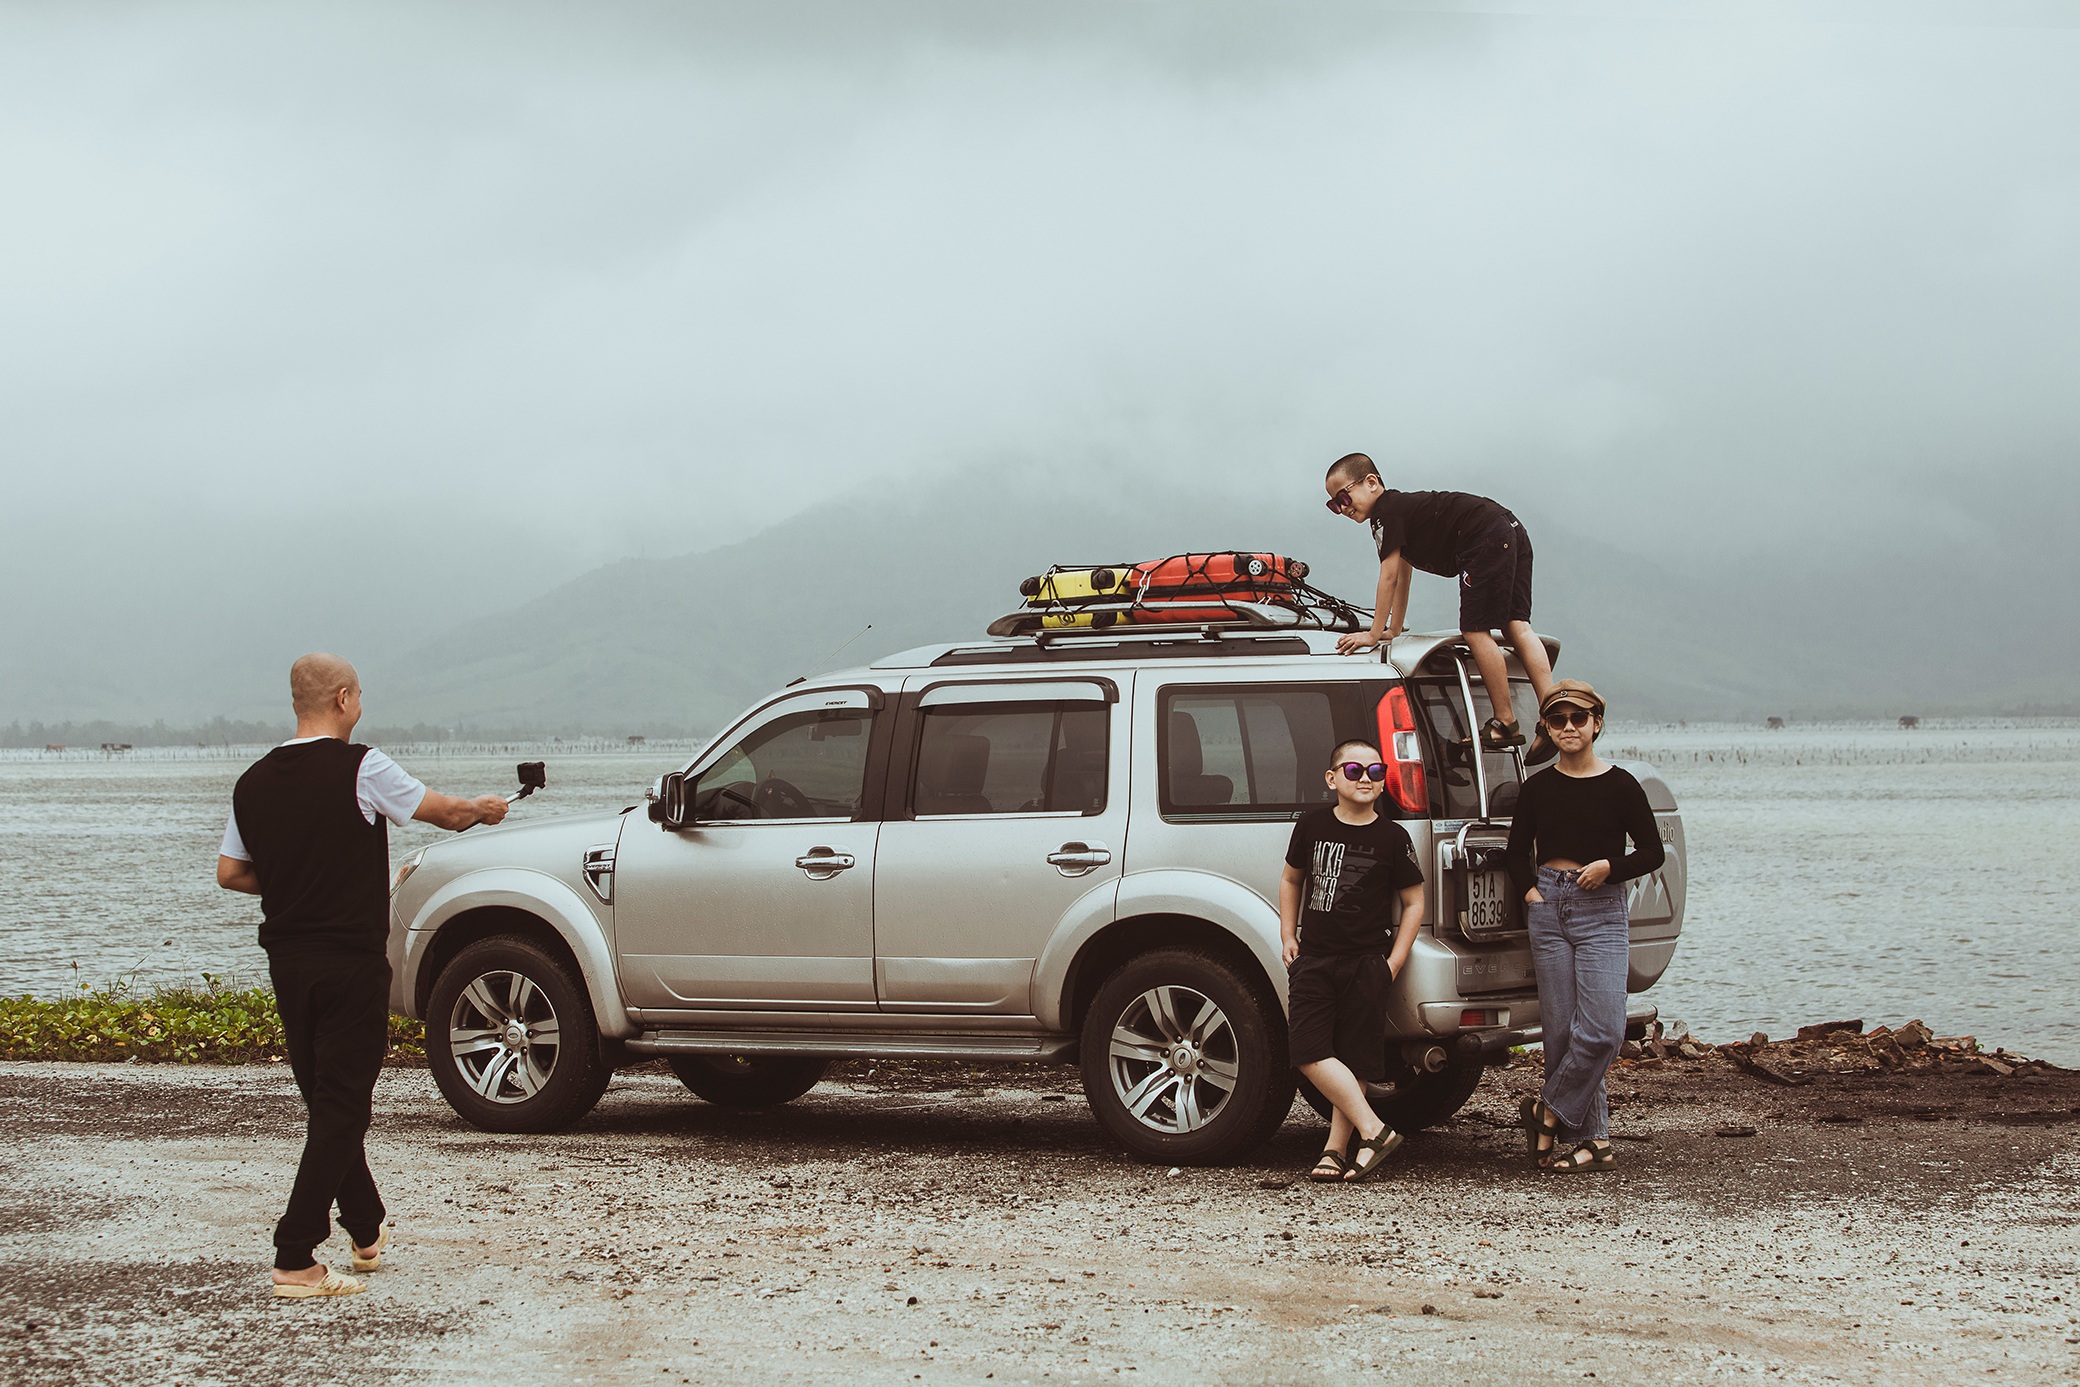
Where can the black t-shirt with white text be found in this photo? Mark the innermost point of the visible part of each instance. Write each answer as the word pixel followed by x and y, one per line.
pixel 1433 529
pixel 1355 874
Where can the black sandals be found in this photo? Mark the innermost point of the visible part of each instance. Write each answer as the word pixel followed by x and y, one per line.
pixel 1359 1167
pixel 1497 735
pixel 1329 1169
pixel 1541 1126
pixel 1586 1156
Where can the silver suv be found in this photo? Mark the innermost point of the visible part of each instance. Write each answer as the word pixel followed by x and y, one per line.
pixel 1061 847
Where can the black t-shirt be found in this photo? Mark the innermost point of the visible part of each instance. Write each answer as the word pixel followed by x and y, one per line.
pixel 1355 873
pixel 1433 529
pixel 1583 818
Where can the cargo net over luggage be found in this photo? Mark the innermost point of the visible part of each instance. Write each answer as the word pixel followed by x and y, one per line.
pixel 1232 588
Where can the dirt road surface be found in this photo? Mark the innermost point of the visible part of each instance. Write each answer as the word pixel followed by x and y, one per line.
pixel 949 1225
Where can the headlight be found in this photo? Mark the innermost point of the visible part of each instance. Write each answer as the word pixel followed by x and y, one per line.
pixel 405 869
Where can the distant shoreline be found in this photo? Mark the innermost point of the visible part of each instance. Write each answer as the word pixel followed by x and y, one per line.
pixel 248 751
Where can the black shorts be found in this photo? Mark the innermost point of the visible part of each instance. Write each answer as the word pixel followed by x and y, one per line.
pixel 1336 1004
pixel 1495 579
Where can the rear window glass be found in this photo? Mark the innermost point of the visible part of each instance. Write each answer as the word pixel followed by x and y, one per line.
pixel 1441 711
pixel 1011 758
pixel 1257 751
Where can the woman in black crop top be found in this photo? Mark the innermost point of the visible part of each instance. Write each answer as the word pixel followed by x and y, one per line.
pixel 1567 854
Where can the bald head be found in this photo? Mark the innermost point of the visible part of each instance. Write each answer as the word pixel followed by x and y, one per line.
pixel 315 682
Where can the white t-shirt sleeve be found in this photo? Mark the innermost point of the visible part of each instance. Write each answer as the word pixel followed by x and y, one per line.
pixel 386 788
pixel 234 846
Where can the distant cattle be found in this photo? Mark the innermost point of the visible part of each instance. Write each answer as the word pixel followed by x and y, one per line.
pixel 1908 720
pixel 1775 724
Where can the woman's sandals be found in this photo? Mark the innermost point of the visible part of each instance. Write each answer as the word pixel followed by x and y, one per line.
pixel 1589 1155
pixel 1329 1169
pixel 1365 1162
pixel 1541 1129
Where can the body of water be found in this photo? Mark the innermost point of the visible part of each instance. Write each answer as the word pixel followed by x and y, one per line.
pixel 1836 871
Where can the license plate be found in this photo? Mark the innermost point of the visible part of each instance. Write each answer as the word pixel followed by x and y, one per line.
pixel 1490 903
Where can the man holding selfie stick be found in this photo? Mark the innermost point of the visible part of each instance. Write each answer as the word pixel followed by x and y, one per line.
pixel 309 835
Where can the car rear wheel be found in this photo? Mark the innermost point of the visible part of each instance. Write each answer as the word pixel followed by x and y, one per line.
pixel 511 1039
pixel 1418 1099
pixel 1184 1059
pixel 748 1081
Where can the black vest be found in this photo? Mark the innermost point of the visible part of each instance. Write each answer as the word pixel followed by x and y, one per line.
pixel 324 869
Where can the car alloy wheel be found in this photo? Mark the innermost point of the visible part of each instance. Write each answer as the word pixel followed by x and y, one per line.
pixel 1173 1059
pixel 503 1034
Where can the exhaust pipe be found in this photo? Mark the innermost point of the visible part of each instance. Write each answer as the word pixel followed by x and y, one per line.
pixel 1431 1059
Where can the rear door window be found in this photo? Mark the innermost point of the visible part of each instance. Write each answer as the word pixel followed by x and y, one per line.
pixel 1011 758
pixel 1256 751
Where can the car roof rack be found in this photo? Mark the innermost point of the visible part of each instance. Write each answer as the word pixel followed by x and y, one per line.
pixel 1174 643
pixel 1306 610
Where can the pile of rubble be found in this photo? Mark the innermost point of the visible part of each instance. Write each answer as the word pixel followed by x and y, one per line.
pixel 1834 1047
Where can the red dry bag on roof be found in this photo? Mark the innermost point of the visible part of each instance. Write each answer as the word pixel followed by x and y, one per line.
pixel 1244 577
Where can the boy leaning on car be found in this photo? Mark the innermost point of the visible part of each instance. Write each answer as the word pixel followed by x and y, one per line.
pixel 1349 904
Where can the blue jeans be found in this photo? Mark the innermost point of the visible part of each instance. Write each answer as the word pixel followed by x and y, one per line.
pixel 1580 946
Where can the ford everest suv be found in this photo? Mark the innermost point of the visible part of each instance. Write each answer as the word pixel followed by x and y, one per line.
pixel 1063 847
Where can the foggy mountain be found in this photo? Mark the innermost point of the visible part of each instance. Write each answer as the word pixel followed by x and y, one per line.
pixel 678 645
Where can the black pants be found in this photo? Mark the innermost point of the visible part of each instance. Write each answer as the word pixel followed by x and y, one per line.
pixel 336 1018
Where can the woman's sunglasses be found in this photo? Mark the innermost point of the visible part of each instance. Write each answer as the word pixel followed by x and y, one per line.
pixel 1353 771
pixel 1569 717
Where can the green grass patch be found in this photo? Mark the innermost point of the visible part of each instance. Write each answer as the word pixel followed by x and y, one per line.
pixel 212 1024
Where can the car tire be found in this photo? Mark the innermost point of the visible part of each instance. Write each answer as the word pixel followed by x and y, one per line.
pixel 1174 1082
pixel 511 1038
pixel 748 1081
pixel 1419 1099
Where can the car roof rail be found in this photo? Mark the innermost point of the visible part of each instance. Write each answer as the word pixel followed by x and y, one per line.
pixel 1307 610
pixel 1174 643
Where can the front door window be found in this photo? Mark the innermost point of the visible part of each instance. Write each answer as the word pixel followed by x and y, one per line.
pixel 806 765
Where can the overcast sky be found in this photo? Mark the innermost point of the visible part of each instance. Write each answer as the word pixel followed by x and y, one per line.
pixel 318 320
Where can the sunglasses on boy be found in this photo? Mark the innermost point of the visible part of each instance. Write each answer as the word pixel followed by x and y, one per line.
pixel 1341 501
pixel 1569 717
pixel 1353 771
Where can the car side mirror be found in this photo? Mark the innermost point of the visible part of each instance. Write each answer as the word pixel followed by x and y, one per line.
pixel 673 800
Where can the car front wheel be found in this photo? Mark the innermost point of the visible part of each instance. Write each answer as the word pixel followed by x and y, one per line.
pixel 511 1040
pixel 1184 1059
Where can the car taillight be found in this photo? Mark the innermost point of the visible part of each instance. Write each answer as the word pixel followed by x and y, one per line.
pixel 1403 753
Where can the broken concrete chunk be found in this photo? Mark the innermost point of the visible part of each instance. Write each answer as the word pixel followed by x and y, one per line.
pixel 1830 1028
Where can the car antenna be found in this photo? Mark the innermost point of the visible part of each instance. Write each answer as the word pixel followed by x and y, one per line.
pixel 832 656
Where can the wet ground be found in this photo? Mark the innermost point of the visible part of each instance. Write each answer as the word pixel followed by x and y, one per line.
pixel 951 1225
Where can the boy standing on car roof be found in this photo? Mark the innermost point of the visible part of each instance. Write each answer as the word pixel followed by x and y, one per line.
pixel 1349 904
pixel 309 836
pixel 1452 534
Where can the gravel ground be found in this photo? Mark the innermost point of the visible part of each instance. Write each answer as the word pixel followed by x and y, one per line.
pixel 948 1224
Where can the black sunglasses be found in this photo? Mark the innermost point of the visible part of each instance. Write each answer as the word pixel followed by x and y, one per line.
pixel 1569 717
pixel 1374 772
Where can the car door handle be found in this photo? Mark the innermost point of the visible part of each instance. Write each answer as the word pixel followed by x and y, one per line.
pixel 824 863
pixel 1074 859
